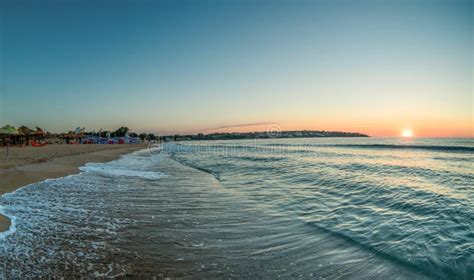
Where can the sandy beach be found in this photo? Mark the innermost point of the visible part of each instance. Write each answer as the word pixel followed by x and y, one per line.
pixel 20 166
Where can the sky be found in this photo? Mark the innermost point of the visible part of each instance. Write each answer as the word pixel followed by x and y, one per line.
pixel 375 67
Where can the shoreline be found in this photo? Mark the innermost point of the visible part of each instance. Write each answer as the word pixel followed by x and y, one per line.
pixel 28 165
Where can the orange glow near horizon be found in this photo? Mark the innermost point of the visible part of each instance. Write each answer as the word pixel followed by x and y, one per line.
pixel 379 129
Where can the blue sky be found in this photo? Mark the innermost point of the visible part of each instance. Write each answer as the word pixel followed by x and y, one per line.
pixel 186 66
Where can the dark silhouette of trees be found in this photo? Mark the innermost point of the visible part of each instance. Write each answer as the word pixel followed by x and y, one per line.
pixel 121 132
pixel 143 136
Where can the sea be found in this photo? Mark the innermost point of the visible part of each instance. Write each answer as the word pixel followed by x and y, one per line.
pixel 309 208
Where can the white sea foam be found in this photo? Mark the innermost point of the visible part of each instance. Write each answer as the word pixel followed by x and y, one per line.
pixel 12 227
pixel 109 170
pixel 72 220
pixel 138 159
pixel 48 217
pixel 137 164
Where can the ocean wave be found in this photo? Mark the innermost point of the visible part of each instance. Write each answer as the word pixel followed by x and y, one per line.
pixel 410 147
pixel 456 159
pixel 377 200
pixel 261 159
pixel 110 170
pixel 137 164
pixel 215 174
pixel 457 148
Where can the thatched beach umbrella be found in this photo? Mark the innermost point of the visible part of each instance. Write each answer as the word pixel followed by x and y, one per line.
pixel 8 129
pixel 9 135
pixel 24 130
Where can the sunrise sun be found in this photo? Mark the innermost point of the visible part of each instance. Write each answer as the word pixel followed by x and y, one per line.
pixel 407 133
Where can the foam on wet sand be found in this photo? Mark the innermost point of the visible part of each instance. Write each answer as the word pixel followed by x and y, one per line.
pixel 20 166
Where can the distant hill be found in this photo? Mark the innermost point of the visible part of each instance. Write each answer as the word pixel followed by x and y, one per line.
pixel 264 135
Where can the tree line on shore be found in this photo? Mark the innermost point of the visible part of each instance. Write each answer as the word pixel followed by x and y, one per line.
pixel 9 130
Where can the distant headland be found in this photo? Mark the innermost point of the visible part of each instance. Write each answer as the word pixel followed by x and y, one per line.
pixel 264 135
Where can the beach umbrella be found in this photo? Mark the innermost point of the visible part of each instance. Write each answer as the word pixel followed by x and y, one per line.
pixel 24 130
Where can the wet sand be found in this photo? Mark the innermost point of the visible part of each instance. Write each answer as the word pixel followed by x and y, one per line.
pixel 20 166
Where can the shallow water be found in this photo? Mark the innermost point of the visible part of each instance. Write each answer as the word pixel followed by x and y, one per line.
pixel 334 208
